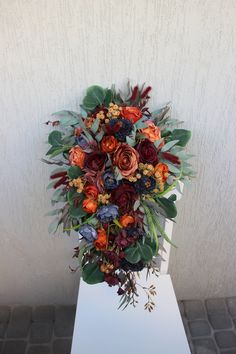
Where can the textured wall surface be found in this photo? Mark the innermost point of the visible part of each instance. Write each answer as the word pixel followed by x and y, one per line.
pixel 50 51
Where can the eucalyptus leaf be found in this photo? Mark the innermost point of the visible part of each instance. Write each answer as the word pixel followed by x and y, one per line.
pixel 53 226
pixel 95 126
pixel 182 135
pixel 55 138
pixel 74 172
pixel 91 274
pixel 145 252
pixel 132 254
pixel 169 145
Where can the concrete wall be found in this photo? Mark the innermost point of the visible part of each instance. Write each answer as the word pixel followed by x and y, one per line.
pixel 51 50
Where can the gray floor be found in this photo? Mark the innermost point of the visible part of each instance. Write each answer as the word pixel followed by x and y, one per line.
pixel 36 330
pixel 210 326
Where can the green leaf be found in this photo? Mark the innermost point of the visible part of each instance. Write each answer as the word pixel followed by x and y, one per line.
pixel 91 274
pixel 140 124
pixel 157 143
pixel 53 212
pixel 53 226
pixel 55 138
pixel 169 145
pixel 56 150
pixel 77 212
pixel 74 172
pixel 108 97
pixel 66 118
pixel 173 197
pixel 99 136
pixel 130 141
pixel 136 204
pixel 132 254
pixel 95 126
pixel 163 234
pixel 171 167
pixel 95 96
pixel 182 135
pixel 145 252
pixel 153 244
pixel 168 206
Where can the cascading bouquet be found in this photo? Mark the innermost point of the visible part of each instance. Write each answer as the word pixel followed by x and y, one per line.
pixel 117 163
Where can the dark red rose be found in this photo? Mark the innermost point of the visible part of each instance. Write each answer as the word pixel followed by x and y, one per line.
pixel 95 161
pixel 111 280
pixel 147 152
pixel 124 196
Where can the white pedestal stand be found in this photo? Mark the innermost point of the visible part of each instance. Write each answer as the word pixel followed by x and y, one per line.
pixel 102 329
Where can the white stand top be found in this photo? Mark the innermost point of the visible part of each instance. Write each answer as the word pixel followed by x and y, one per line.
pixel 102 329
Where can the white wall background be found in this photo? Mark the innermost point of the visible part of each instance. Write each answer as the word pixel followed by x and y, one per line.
pixel 51 50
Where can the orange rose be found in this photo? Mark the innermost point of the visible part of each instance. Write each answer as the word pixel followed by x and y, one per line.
pixel 101 242
pixel 152 132
pixel 131 113
pixel 91 192
pixel 109 144
pixel 126 220
pixel 126 159
pixel 77 156
pixel 89 205
pixel 161 170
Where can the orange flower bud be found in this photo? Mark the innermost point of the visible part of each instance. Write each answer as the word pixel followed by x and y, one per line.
pixel 126 220
pixel 109 144
pixel 77 156
pixel 131 113
pixel 91 192
pixel 89 205
pixel 152 132
pixel 101 242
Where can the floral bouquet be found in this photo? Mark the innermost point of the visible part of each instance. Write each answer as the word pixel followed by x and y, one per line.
pixel 117 162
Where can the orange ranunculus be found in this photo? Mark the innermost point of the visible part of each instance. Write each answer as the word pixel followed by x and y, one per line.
pixel 109 144
pixel 126 220
pixel 161 169
pixel 89 205
pixel 131 113
pixel 78 131
pixel 101 242
pixel 152 132
pixel 91 192
pixel 77 156
pixel 89 122
pixel 126 159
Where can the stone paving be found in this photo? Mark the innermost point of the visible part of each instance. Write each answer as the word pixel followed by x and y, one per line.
pixel 210 325
pixel 36 330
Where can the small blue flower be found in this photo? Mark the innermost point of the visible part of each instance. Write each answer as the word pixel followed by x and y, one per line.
pixel 145 185
pixel 82 142
pixel 88 232
pixel 109 180
pixel 107 213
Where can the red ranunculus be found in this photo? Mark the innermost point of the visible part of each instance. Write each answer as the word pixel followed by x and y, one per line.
pixel 124 196
pixel 95 161
pixel 147 152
